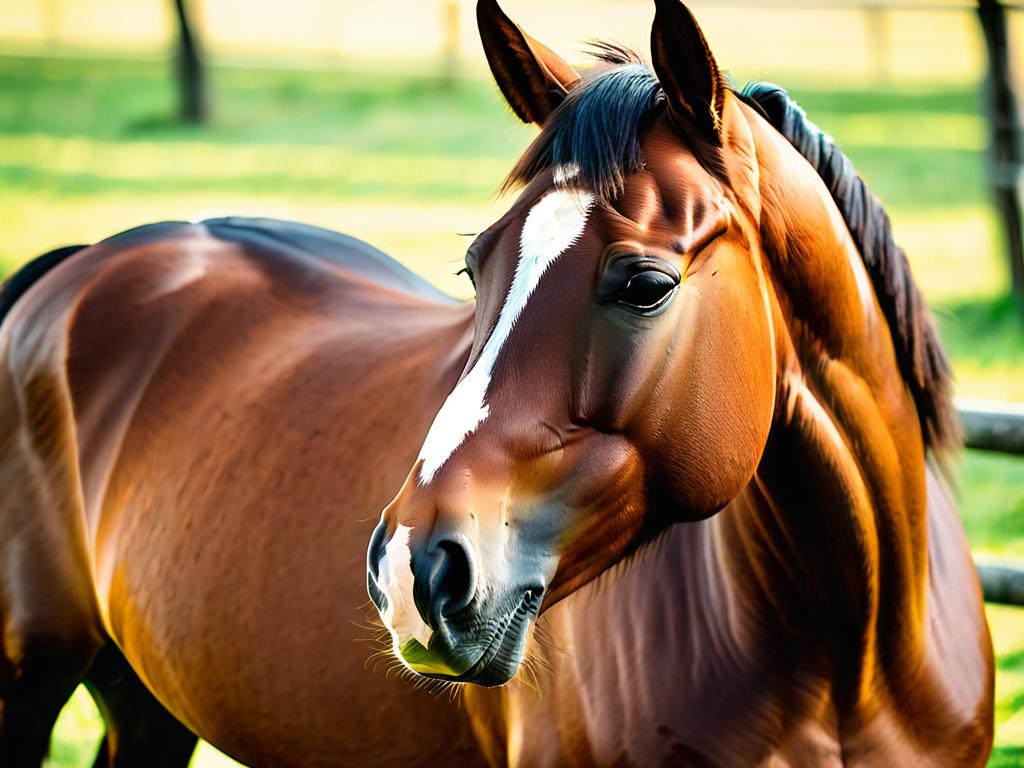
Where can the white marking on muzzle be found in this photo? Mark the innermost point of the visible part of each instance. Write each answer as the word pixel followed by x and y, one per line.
pixel 552 226
pixel 395 579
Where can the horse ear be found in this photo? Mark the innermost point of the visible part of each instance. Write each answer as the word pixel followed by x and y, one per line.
pixel 533 78
pixel 693 86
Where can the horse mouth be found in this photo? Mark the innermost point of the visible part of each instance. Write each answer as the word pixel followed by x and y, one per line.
pixel 503 653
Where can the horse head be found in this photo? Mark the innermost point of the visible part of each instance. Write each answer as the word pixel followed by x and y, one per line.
pixel 622 372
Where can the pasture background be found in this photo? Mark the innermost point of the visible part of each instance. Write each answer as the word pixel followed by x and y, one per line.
pixel 379 121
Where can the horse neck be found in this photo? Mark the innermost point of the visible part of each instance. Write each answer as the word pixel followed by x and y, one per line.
pixel 833 528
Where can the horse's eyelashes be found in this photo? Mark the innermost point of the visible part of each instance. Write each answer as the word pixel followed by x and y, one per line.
pixel 468 272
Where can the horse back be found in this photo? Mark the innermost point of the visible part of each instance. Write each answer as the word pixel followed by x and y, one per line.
pixel 240 399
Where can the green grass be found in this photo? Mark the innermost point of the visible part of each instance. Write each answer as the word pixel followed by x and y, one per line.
pixel 1007 625
pixel 87 149
pixel 992 503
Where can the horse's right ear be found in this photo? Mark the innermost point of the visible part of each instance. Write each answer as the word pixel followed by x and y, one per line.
pixel 533 78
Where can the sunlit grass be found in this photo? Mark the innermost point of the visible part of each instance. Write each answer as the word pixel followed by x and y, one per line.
pixel 79 731
pixel 427 237
pixel 87 150
pixel 1007 627
pixel 75 165
pixel 991 500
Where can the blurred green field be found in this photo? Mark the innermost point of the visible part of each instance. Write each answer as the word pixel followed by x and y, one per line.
pixel 87 149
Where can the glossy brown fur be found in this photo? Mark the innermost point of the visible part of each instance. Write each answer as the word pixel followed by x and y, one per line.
pixel 200 424
pixel 829 612
pixel 828 615
pixel 174 401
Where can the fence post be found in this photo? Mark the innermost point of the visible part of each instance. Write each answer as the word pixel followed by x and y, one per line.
pixel 1006 169
pixel 50 13
pixel 450 46
pixel 194 107
pixel 876 26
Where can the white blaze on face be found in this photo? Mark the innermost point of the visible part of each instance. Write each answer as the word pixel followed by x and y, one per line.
pixel 395 580
pixel 552 226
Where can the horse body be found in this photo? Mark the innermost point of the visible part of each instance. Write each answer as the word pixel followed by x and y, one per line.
pixel 182 357
pixel 804 618
pixel 648 665
pixel 685 433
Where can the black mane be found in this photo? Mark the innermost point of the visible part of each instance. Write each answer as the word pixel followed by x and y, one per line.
pixel 596 130
pixel 919 350
pixel 595 134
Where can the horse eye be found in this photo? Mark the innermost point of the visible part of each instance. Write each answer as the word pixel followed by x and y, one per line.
pixel 647 291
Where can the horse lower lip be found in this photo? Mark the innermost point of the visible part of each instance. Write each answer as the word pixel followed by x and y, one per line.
pixel 490 653
pixel 477 671
pixel 510 627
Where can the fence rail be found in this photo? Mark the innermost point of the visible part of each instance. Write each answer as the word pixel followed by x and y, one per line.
pixel 996 426
pixel 1002 584
pixel 992 426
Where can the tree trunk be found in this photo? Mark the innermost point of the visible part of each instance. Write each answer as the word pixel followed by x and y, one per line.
pixel 1006 169
pixel 191 76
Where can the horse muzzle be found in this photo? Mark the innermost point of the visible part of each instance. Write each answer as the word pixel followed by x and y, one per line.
pixel 442 625
pixel 473 647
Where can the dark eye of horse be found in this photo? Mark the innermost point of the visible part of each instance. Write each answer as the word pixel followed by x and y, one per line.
pixel 647 290
pixel 641 284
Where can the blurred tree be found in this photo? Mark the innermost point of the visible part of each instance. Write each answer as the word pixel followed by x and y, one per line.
pixel 450 47
pixel 194 106
pixel 1007 138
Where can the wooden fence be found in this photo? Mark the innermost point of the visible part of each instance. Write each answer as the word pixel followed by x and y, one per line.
pixel 995 426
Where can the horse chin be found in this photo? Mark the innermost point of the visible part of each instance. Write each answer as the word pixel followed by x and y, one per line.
pixel 500 661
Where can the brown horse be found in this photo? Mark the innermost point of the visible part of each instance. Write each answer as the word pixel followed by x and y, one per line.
pixel 681 315
pixel 678 319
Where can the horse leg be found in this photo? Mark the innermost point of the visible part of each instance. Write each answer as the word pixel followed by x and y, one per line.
pixel 49 631
pixel 140 731
pixel 49 627
pixel 44 681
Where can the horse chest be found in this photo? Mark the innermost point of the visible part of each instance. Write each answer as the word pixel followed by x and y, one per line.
pixel 645 668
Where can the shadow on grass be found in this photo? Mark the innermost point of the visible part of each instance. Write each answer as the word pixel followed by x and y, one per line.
pixel 160 125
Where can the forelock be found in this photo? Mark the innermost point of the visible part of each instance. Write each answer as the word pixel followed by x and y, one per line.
pixel 593 138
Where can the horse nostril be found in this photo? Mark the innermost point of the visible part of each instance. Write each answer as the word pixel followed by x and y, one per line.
pixel 453 583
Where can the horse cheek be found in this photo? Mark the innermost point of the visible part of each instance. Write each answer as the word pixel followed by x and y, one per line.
pixel 712 439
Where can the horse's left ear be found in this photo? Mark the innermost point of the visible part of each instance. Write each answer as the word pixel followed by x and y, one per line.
pixel 694 87
pixel 532 77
